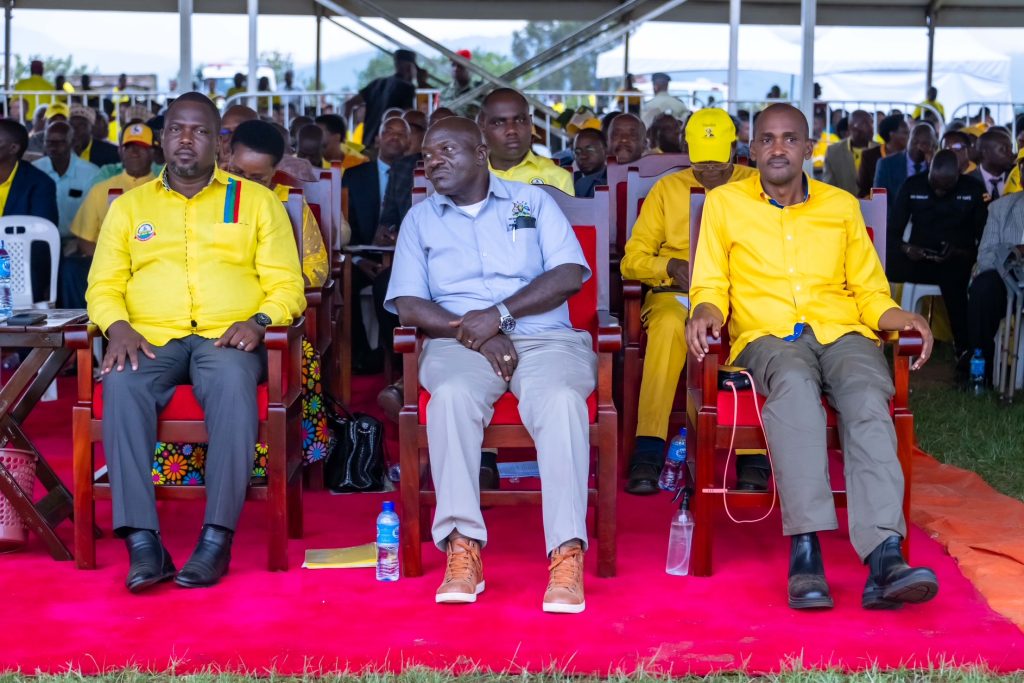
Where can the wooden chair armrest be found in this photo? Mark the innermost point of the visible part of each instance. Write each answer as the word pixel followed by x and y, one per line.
pixel 284 361
pixel 908 343
pixel 631 289
pixel 409 343
pixel 632 296
pixel 407 340
pixel 609 333
pixel 704 377
pixel 81 338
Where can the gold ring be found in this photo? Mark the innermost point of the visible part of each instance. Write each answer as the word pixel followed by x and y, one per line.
pixel 506 358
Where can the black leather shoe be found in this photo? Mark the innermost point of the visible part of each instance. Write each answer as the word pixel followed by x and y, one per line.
pixel 489 479
pixel 149 561
pixel 752 473
pixel 643 479
pixel 807 586
pixel 892 582
pixel 210 559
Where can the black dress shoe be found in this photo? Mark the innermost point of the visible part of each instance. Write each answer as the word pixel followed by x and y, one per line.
pixel 807 586
pixel 489 478
pixel 892 582
pixel 752 473
pixel 149 561
pixel 209 561
pixel 643 479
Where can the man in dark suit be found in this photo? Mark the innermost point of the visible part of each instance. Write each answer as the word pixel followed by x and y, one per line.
pixel 895 134
pixel 894 170
pixel 96 152
pixel 368 185
pixel 843 159
pixel 381 94
pixel 29 192
pixel 997 159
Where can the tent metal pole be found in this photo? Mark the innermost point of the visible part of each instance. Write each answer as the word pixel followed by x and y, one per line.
pixel 8 4
pixel 930 20
pixel 185 45
pixel 319 21
pixel 253 79
pixel 808 17
pixel 359 36
pixel 734 53
pixel 625 58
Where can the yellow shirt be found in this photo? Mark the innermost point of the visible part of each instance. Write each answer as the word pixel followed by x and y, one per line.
pixel 537 170
pixel 93 210
pixel 768 268
pixel 821 147
pixel 314 255
pixel 1012 182
pixel 5 188
pixel 662 231
pixel 173 266
pixel 87 152
pixel 34 83
pixel 234 91
pixel 858 154
pixel 931 103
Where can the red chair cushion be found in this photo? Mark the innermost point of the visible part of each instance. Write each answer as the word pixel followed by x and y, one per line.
pixel 506 409
pixel 747 417
pixel 183 405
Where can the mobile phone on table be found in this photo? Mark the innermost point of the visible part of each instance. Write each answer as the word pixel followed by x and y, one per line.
pixel 26 319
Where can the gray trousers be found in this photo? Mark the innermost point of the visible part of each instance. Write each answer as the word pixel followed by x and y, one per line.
pixel 224 382
pixel 555 375
pixel 854 376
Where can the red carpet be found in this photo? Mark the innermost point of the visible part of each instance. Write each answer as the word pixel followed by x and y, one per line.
pixel 56 617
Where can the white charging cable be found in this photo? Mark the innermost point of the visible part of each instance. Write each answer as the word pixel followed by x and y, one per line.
pixel 732 440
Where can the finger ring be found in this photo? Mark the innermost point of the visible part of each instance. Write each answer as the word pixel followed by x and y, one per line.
pixel 241 345
pixel 469 342
pixel 506 358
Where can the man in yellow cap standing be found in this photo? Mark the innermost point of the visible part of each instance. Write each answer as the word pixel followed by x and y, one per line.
pixel 136 153
pixel 658 254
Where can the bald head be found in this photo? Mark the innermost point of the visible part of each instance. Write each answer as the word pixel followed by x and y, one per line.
pixel 792 117
pixel 626 135
pixel 233 117
pixel 504 95
pixel 455 126
pixel 781 144
pixel 507 126
pixel 455 160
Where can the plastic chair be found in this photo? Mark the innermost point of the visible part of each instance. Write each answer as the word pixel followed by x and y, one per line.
pixel 18 234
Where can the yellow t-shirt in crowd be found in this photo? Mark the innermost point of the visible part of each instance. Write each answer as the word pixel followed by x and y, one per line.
pixel 89 219
pixel 858 154
pixel 173 266
pixel 536 170
pixel 1012 182
pixel 5 188
pixel 769 268
pixel 931 103
pixel 32 102
pixel 662 231
pixel 314 254
pixel 821 147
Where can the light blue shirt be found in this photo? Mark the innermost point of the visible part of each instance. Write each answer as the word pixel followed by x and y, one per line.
pixel 72 187
pixel 382 177
pixel 463 263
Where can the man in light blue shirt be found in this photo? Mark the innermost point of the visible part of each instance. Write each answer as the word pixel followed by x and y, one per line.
pixel 73 175
pixel 484 267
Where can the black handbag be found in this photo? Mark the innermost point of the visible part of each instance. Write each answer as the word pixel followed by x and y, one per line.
pixel 357 462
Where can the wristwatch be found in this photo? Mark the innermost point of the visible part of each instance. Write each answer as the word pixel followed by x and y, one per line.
pixel 262 319
pixel 507 324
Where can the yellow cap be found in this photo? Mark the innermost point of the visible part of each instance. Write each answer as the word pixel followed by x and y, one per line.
pixel 1020 154
pixel 710 133
pixel 138 133
pixel 57 109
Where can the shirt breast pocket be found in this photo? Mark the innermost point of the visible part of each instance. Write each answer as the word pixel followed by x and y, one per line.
pixel 527 256
pixel 230 243
pixel 824 254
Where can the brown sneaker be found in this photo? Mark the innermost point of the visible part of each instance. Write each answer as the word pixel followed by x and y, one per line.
pixel 464 577
pixel 564 594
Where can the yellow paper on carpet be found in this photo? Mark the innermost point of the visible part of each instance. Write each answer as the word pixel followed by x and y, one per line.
pixel 342 558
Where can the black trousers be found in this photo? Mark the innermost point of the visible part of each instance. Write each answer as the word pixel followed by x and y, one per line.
pixel 952 278
pixel 986 306
pixel 386 321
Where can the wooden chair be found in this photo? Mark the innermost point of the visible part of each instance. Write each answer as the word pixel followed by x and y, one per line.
pixel 280 427
pixel 710 417
pixel 506 429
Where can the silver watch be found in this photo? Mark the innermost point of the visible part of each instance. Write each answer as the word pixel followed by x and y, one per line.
pixel 507 324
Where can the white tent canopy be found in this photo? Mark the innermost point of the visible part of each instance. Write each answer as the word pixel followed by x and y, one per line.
pixel 893 69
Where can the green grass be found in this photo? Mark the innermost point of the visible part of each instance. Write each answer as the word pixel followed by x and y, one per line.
pixel 975 433
pixel 792 673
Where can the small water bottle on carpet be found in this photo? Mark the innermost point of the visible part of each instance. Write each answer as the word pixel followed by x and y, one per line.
pixel 675 461
pixel 6 297
pixel 679 539
pixel 387 543
pixel 977 373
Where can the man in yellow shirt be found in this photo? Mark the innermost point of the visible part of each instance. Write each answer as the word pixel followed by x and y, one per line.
pixel 790 262
pixel 335 148
pixel 137 156
pixel 256 150
pixel 35 83
pixel 930 101
pixel 658 254
pixel 189 271
pixel 508 131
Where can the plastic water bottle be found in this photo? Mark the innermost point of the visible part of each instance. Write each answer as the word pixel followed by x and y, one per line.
pixel 387 543
pixel 978 373
pixel 6 299
pixel 679 540
pixel 675 461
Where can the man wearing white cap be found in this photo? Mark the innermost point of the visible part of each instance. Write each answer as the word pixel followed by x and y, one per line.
pixel 96 152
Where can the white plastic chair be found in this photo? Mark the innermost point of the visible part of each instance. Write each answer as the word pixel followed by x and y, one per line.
pixel 18 233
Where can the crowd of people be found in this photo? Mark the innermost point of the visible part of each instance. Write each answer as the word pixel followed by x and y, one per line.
pixel 184 272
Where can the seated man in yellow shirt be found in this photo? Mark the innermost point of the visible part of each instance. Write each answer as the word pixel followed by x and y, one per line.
pixel 507 125
pixel 189 271
pixel 256 150
pixel 789 261
pixel 658 254
pixel 136 154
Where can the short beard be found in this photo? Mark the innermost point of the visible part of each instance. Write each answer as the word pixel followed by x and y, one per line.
pixel 186 172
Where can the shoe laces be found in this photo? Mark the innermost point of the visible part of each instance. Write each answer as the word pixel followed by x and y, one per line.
pixel 462 565
pixel 565 568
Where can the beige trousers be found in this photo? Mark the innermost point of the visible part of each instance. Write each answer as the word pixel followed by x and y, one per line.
pixel 556 373
pixel 853 374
